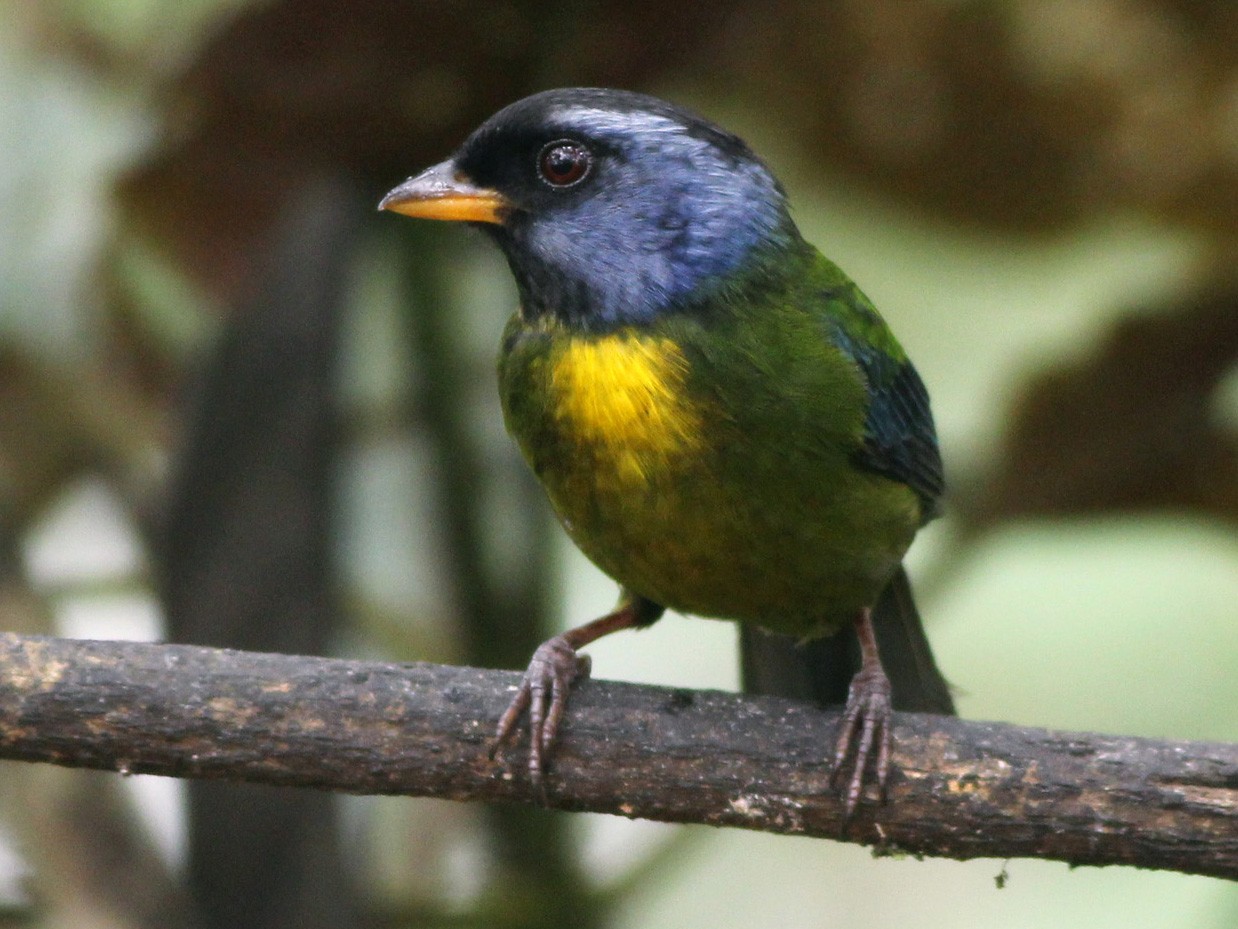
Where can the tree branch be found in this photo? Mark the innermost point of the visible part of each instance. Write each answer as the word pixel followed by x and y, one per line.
pixel 959 789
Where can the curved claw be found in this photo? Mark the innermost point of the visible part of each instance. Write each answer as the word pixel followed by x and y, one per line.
pixel 544 692
pixel 547 684
pixel 867 716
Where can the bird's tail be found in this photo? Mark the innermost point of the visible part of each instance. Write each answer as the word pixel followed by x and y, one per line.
pixel 821 670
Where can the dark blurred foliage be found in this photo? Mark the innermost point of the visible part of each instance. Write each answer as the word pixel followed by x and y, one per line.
pixel 288 120
pixel 1131 426
pixel 1020 115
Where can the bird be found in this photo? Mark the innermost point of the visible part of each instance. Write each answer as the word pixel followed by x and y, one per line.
pixel 721 419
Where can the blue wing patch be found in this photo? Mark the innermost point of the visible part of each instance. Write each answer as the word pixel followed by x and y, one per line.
pixel 900 441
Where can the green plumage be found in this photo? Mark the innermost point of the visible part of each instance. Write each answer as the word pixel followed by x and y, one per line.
pixel 769 520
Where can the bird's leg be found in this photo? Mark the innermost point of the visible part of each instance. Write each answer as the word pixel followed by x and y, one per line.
pixel 544 690
pixel 866 716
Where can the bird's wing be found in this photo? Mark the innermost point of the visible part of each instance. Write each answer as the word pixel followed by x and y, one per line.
pixel 900 441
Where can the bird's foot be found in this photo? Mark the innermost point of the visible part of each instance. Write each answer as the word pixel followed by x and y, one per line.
pixel 865 726
pixel 543 691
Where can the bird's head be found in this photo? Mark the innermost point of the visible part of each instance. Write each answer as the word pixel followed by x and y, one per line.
pixel 612 207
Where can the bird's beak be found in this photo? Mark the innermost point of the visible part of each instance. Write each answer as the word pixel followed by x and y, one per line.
pixel 442 192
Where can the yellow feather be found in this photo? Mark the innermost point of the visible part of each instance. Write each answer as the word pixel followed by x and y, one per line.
pixel 624 394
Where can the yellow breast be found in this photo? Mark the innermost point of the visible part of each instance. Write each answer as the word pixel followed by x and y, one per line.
pixel 624 395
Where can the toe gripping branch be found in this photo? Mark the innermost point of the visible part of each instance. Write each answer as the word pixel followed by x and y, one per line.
pixel 866 725
pixel 547 683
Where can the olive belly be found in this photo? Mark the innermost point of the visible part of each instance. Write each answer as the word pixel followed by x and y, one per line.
pixel 735 541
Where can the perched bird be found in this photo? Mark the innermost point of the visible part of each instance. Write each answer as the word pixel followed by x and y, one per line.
pixel 721 419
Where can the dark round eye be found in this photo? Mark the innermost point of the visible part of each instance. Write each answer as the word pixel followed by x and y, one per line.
pixel 562 164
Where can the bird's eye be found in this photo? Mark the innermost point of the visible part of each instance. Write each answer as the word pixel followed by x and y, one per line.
pixel 562 164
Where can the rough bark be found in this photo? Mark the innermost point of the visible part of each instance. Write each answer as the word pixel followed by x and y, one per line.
pixel 959 789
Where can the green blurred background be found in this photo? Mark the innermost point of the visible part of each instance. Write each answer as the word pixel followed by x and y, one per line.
pixel 237 406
